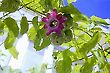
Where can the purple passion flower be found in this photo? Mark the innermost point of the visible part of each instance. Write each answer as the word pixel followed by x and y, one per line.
pixel 54 22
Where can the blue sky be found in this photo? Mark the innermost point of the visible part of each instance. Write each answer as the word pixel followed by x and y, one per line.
pixel 100 8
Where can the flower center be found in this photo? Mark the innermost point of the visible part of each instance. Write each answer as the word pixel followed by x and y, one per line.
pixel 53 23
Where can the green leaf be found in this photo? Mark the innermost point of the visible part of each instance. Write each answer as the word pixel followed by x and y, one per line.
pixel 59 68
pixel 9 40
pixel 70 9
pixel 40 40
pixel 69 22
pixel 50 4
pixel 41 43
pixel 98 20
pixel 64 66
pixel 88 65
pixel 86 47
pixel 24 25
pixel 13 51
pixel 106 68
pixel 12 25
pixel 32 34
pixel 70 1
pixel 76 14
pixel 33 5
pixel 9 5
pixel 82 38
pixel 46 4
pixel 41 6
pixel 100 57
pixel 66 62
pixel 35 23
pixel 76 69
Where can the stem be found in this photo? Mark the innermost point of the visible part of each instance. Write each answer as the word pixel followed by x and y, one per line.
pixel 1 43
pixel 36 11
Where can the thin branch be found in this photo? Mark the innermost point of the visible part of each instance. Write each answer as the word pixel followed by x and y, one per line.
pixel 36 11
pixel 1 43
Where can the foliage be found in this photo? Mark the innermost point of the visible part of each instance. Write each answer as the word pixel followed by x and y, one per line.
pixel 77 33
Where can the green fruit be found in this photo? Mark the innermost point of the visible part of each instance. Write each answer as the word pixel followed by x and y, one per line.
pixel 57 40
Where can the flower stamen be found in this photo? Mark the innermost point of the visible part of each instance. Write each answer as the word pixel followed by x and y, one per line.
pixel 53 24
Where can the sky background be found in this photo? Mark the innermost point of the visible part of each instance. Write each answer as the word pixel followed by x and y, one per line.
pixel 100 8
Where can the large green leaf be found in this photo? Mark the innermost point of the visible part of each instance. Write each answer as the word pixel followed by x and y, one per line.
pixel 86 47
pixel 64 66
pixel 88 65
pixel 76 14
pixel 12 26
pixel 40 40
pixel 66 62
pixel 59 65
pixel 24 25
pixel 50 4
pixel 9 40
pixel 69 22
pixel 46 4
pixel 35 23
pixel 98 20
pixel 41 43
pixel 13 51
pixel 70 9
pixel 33 5
pixel 9 5
pixel 41 6
pixel 9 44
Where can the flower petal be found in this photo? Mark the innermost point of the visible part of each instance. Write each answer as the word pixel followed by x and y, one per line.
pixel 44 19
pixel 49 32
pixel 48 15
pixel 59 16
pixel 61 26
pixel 54 13
pixel 63 19
pixel 58 31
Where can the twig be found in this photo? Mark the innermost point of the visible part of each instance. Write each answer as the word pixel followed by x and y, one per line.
pixel 36 11
pixel 1 43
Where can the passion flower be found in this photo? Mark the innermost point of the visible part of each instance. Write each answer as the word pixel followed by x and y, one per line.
pixel 54 22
